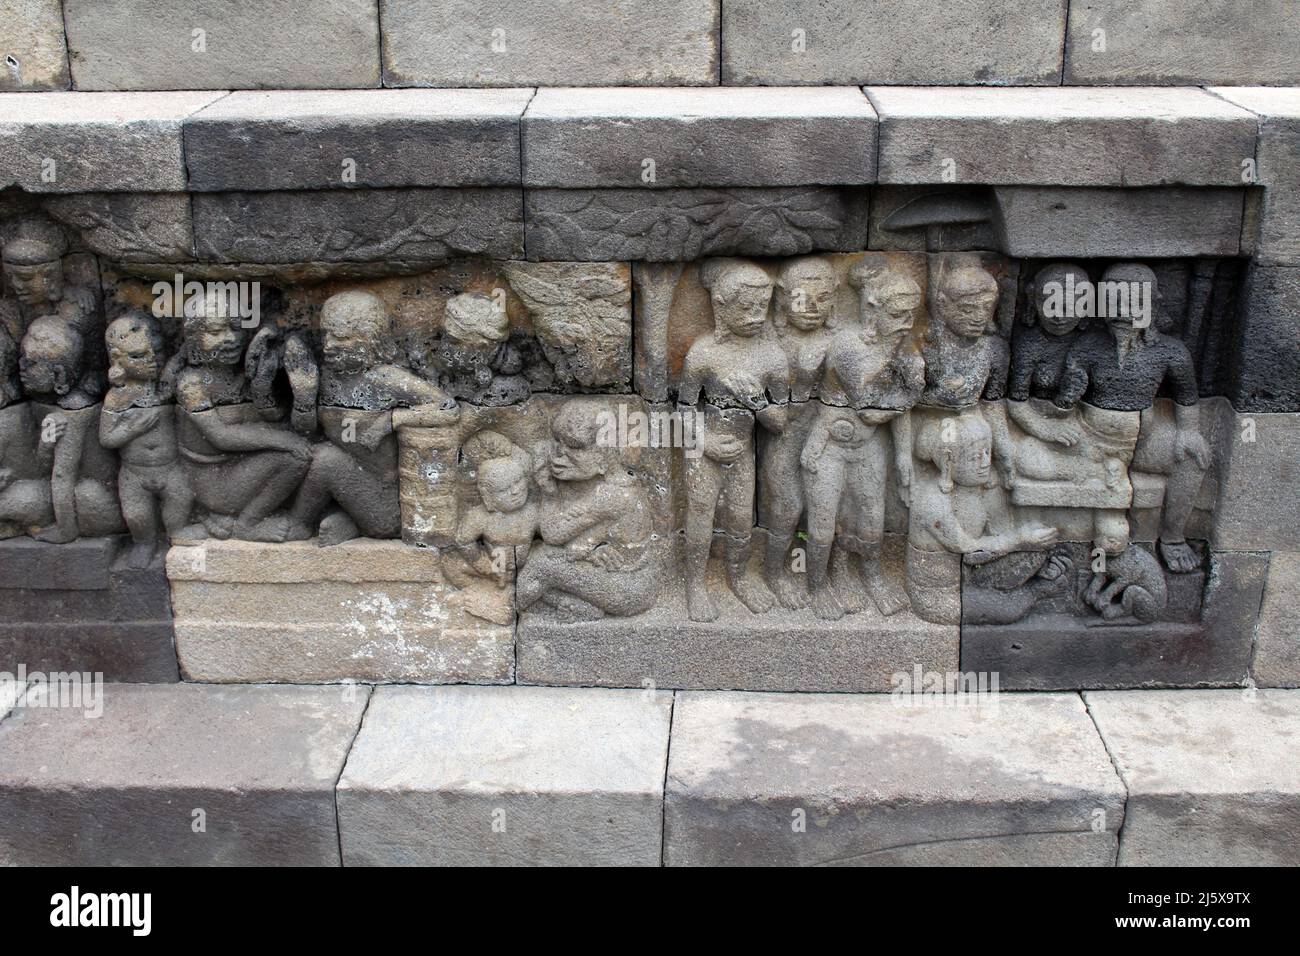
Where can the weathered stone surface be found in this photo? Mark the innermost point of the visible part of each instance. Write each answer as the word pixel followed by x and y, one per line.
pixel 782 650
pixel 34 54
pixel 1277 641
pixel 410 224
pixel 699 137
pixel 97 142
pixel 517 43
pixel 1217 41
pixel 79 607
pixel 1264 364
pixel 673 225
pixel 1042 222
pixel 1258 508
pixel 506 776
pixel 1060 652
pixel 1060 137
pixel 126 788
pixel 1278 157
pixel 130 227
pixel 1211 775
pixel 276 44
pixel 894 42
pixel 340 138
pixel 363 610
pixel 888 780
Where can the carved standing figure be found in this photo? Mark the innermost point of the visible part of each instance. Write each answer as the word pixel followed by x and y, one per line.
pixel 731 377
pixel 23 502
pixel 139 422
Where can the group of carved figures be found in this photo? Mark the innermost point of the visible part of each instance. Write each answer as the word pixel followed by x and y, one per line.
pixel 261 435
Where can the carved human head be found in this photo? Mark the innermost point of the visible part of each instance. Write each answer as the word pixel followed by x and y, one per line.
pixel 1050 296
pixel 214 338
pixel 503 484
pixel 51 357
pixel 356 330
pixel 34 268
pixel 135 348
pixel 961 447
pixel 805 292
pixel 577 456
pixel 1137 293
pixel 967 301
pixel 887 298
pixel 740 292
pixel 476 319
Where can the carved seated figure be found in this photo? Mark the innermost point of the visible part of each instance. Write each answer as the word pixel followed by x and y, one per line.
pixel 729 373
pixel 959 513
pixel 18 437
pixel 474 358
pixel 240 466
pixel 1130 589
pixel 362 395
pixel 493 537
pixel 598 555
pixel 139 423
pixel 77 493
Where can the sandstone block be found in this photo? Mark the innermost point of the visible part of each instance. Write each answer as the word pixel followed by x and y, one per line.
pixel 1277 641
pixel 34 52
pixel 1258 508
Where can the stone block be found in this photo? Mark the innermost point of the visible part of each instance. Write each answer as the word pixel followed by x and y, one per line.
pixel 899 42
pixel 78 607
pixel 359 226
pixel 878 780
pixel 1060 137
pixel 1211 775
pixel 1202 639
pixel 1264 362
pixel 675 225
pixel 314 140
pixel 457 43
pixel 1159 42
pixel 1277 640
pixel 778 651
pixel 506 776
pixel 364 610
pixel 34 52
pixel 256 765
pixel 1278 170
pixel 193 44
pixel 129 227
pixel 1258 508
pixel 749 137
pixel 95 142
pixel 1048 222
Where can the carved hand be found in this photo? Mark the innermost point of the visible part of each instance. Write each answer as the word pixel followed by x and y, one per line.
pixel 1192 444
pixel 1040 537
pixel 746 389
pixel 724 450
pixel 53 534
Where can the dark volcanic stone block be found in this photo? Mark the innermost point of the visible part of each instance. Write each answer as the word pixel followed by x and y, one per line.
pixel 1057 650
pixel 78 607
pixel 1265 363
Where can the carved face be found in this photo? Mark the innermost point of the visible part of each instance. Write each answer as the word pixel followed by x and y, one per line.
pixel 1051 305
pixel 808 303
pixel 742 309
pixel 36 285
pixel 347 351
pixel 131 356
pixel 893 314
pixel 973 460
pixel 503 486
pixel 967 314
pixel 214 340
pixel 44 367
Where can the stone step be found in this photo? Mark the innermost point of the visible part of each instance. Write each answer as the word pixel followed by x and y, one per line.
pixel 204 774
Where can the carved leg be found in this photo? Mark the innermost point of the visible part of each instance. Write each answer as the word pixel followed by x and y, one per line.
pixel 138 509
pixel 889 598
pixel 177 502
pixel 846 581
pixel 703 485
pixel 752 593
pixel 1181 488
pixel 779 579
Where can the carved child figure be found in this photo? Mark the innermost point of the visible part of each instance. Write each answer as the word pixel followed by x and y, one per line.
pixel 139 422
pixel 508 518
pixel 474 357
pixel 730 373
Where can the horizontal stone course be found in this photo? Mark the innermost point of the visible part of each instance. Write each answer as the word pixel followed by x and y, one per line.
pixel 816 779
pixel 506 776
pixel 33 52
pixel 524 43
pixel 95 142
pixel 179 774
pixel 342 138
pixel 575 138
pixel 1061 137
pixel 286 44
pixel 1211 775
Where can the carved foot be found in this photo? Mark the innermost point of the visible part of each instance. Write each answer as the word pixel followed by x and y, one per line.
pixel 699 603
pixel 272 530
pixel 9 530
pixel 826 605
pixel 753 594
pixel 141 554
pixel 336 528
pixel 1179 556
pixel 789 594
pixel 888 597
pixel 848 586
pixel 219 526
